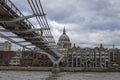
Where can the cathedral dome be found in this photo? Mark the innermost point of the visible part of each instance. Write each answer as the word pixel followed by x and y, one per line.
pixel 64 37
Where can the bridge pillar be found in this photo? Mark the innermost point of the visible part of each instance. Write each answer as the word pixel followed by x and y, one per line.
pixel 56 68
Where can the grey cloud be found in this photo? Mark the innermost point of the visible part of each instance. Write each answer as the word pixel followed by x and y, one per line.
pixel 22 5
pixel 112 26
pixel 60 9
pixel 99 5
pixel 87 21
pixel 103 8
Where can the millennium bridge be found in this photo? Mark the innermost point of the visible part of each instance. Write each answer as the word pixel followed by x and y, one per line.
pixel 13 20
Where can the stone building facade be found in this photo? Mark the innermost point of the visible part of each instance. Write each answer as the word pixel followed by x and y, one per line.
pixel 35 59
pixel 16 59
pixel 64 42
pixel 115 57
pixel 93 57
pixel 24 58
pixel 6 46
pixel 87 57
pixel 5 57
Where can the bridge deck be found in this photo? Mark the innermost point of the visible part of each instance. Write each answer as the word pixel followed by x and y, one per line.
pixel 10 12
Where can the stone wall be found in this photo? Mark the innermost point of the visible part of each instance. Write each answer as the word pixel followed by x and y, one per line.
pixel 19 68
pixel 62 69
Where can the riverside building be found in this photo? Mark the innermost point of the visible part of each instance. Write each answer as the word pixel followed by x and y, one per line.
pixel 64 44
pixel 87 57
pixel 6 46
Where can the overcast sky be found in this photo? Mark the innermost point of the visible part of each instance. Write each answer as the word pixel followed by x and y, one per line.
pixel 88 22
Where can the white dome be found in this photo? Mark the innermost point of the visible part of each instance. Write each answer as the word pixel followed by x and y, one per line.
pixel 64 37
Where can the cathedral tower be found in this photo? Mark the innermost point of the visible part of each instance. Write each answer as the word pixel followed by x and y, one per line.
pixel 64 41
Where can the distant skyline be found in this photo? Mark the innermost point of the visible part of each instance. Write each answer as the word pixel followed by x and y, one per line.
pixel 88 22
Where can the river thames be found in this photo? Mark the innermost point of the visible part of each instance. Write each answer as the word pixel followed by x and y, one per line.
pixel 21 75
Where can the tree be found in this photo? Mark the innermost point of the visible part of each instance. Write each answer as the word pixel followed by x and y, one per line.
pixel 35 62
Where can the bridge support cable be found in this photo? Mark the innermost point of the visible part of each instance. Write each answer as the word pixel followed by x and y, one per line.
pixel 23 31
pixel 40 23
pixel 15 13
pixel 13 41
pixel 34 4
pixel 55 60
pixel 45 17
pixel 38 38
pixel 34 9
pixel 37 9
pixel 19 18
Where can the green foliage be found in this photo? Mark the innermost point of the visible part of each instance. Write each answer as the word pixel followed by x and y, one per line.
pixel 35 62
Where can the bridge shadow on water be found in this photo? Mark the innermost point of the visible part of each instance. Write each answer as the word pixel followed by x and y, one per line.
pixel 58 76
pixel 53 76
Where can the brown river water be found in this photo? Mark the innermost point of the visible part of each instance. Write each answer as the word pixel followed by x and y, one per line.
pixel 25 75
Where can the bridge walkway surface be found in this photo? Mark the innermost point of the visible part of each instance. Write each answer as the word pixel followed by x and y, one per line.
pixel 12 20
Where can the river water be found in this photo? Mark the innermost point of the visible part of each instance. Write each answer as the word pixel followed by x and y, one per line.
pixel 21 75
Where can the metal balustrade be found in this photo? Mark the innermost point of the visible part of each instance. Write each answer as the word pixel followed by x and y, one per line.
pixel 28 28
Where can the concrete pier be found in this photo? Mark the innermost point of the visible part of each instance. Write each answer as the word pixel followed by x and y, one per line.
pixel 56 68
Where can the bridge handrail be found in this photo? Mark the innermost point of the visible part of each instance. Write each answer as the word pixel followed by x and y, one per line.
pixel 15 12
pixel 18 12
